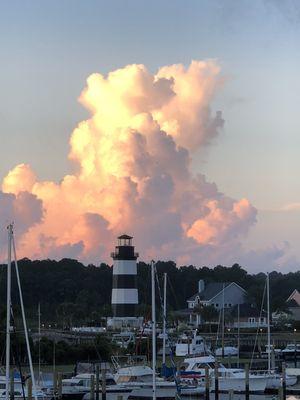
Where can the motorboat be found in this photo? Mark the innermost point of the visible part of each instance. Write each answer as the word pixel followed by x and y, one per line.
pixel 188 346
pixel 274 379
pixel 229 351
pixel 123 339
pixel 229 378
pixel 18 390
pixel 140 377
pixel 271 350
pixel 291 349
pixel 79 387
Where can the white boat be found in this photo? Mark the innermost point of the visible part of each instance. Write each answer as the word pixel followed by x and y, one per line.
pixel 140 377
pixel 79 387
pixel 123 339
pixel 188 346
pixel 291 349
pixel 271 350
pixel 229 378
pixel 18 390
pixel 274 379
pixel 229 351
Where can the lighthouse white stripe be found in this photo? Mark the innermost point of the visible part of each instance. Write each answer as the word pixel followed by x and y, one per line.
pixel 124 267
pixel 124 296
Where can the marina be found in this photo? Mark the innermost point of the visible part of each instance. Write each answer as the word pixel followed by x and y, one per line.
pixel 192 365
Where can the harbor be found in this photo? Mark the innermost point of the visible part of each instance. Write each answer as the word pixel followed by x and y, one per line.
pixel 177 363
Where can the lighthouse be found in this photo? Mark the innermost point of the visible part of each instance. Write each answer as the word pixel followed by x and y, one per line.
pixel 124 297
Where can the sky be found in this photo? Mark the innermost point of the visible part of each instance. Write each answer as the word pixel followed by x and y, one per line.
pixel 50 48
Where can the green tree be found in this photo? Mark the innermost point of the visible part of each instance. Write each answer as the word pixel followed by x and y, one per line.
pixel 208 314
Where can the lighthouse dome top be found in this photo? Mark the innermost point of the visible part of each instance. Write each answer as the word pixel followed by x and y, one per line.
pixel 124 236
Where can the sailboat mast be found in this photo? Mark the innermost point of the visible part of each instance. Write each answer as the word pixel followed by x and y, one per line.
pixel 165 319
pixel 238 343
pixel 39 322
pixel 153 331
pixel 268 318
pixel 8 304
pixel 23 316
pixel 223 320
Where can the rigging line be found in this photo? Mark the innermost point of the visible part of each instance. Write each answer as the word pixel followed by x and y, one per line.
pixel 257 330
pixel 16 355
pixel 218 330
pixel 173 293
pixel 177 383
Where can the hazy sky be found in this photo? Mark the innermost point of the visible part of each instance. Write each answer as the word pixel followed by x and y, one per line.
pixel 49 48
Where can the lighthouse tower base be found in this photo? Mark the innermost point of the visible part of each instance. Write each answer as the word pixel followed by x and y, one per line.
pixel 127 322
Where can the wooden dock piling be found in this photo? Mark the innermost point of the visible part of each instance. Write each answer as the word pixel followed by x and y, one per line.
pixel 59 385
pixel 54 383
pixel 29 390
pixel 283 381
pixel 97 382
pixel 247 381
pixel 207 388
pixel 12 386
pixel 103 384
pixel 216 380
pixel 92 392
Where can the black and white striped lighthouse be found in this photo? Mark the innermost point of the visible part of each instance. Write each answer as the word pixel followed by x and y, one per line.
pixel 124 298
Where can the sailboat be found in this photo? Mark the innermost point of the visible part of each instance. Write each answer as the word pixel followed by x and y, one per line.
pixel 274 379
pixel 143 379
pixel 19 389
pixel 225 351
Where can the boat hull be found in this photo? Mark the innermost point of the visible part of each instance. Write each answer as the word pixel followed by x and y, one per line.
pixel 275 381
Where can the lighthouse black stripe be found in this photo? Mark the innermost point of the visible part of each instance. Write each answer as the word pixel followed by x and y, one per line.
pixel 124 310
pixel 124 281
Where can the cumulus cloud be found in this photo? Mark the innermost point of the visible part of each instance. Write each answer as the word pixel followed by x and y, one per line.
pixel 24 208
pixel 291 207
pixel 273 257
pixel 134 173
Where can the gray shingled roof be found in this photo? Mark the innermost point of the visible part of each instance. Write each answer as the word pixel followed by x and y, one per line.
pixel 210 291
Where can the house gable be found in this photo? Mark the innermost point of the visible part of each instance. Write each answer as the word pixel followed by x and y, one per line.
pixel 213 295
pixel 295 295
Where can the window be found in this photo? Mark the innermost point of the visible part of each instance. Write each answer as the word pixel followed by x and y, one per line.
pixel 251 320
pixel 229 304
pixel 217 305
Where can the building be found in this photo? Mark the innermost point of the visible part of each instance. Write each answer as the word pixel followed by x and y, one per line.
pixel 248 316
pixel 293 305
pixel 124 297
pixel 216 294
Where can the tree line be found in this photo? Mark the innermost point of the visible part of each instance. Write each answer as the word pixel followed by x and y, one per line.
pixel 70 293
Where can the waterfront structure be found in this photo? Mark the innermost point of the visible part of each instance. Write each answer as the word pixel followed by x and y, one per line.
pixel 248 316
pixel 217 294
pixel 293 305
pixel 124 297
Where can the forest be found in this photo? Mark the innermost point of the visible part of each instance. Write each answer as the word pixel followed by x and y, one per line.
pixel 70 293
